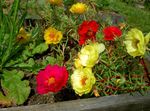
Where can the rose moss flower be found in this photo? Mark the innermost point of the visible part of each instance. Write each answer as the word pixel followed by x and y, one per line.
pixel 111 32
pixel 56 2
pixel 78 8
pixel 23 36
pixel 51 79
pixel 87 30
pixel 136 42
pixel 52 36
pixel 82 80
pixel 89 54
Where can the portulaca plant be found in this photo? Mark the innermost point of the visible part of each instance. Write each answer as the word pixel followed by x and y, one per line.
pixel 72 48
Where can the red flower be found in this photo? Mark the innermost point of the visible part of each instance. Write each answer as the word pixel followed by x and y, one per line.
pixel 111 32
pixel 87 30
pixel 51 79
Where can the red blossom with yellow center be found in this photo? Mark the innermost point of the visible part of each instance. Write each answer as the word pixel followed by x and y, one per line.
pixel 51 79
pixel 87 30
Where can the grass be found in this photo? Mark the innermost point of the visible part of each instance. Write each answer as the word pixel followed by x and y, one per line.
pixel 136 17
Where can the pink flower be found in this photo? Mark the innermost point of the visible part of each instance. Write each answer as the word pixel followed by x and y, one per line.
pixel 51 79
pixel 111 32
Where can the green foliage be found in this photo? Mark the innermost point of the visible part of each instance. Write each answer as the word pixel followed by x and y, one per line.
pixel 10 47
pixel 16 89
pixel 135 17
pixel 102 3
pixel 4 101
pixel 15 55
pixel 9 27
pixel 40 48
pixel 147 4
pixel 117 72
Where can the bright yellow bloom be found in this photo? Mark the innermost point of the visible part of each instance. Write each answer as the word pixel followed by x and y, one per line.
pixel 89 54
pixel 82 80
pixel 22 36
pixel 136 42
pixel 52 36
pixel 55 2
pixel 78 8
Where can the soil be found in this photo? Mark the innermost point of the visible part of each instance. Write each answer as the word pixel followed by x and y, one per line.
pixel 64 95
pixel 41 99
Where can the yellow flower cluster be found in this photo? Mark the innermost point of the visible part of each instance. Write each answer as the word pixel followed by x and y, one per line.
pixel 52 36
pixel 78 8
pixel 83 79
pixel 136 42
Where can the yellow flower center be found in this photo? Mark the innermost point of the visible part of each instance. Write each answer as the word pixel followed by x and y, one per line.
pixel 135 43
pixel 83 81
pixel 52 36
pixel 51 80
pixel 90 33
pixel 22 36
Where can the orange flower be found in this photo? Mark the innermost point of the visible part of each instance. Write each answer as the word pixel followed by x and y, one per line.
pixel 52 36
pixel 55 2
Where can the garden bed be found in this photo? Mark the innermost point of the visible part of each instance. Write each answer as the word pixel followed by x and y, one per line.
pixel 63 56
pixel 122 102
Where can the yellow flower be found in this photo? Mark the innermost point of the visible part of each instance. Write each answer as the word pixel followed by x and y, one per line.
pixel 55 2
pixel 136 42
pixel 77 63
pixel 78 8
pixel 52 36
pixel 22 36
pixel 89 54
pixel 82 80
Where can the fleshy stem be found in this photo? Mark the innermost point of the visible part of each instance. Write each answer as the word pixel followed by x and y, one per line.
pixel 147 74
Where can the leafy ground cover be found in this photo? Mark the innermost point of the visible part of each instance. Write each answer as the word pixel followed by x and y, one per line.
pixel 62 50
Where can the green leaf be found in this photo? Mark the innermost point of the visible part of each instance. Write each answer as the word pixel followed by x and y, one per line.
pixel 4 101
pixel 14 87
pixel 40 48
pixel 51 60
pixel 68 2
pixel 29 65
pixel 99 36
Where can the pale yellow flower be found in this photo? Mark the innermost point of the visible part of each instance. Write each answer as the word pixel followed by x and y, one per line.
pixel 82 80
pixel 89 54
pixel 23 36
pixel 52 36
pixel 77 63
pixel 56 2
pixel 136 42
pixel 78 8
